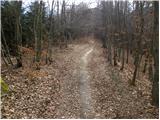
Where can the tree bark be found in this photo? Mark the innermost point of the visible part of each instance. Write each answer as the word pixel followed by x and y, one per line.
pixel 139 6
pixel 18 34
pixel 155 86
pixel 6 49
pixel 38 32
pixel 145 64
pixel 50 35
pixel 123 55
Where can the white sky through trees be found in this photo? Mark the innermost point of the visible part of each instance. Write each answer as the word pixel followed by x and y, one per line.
pixel 91 3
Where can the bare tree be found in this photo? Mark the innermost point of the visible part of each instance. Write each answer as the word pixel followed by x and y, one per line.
pixel 5 49
pixel 18 33
pixel 50 34
pixel 38 31
pixel 138 54
pixel 155 86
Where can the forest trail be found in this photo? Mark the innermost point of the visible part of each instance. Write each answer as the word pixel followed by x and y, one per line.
pixel 74 59
pixel 81 54
pixel 85 90
pixel 79 83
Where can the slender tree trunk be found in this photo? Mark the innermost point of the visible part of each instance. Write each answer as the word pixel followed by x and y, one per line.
pixel 127 52
pixel 155 86
pixel 5 46
pixel 124 36
pixel 109 53
pixel 145 64
pixel 3 56
pixel 50 35
pixel 150 69
pixel 119 54
pixel 18 34
pixel 123 55
pixel 136 69
pixel 63 23
pixel 115 56
pixel 38 32
pixel 139 65
pixel 139 50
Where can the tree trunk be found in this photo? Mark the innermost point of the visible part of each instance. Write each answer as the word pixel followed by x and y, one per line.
pixel 50 35
pixel 138 49
pixel 123 55
pixel 145 64
pixel 150 69
pixel 38 32
pixel 109 53
pixel 127 52
pixel 18 34
pixel 119 54
pixel 135 70
pixel 155 86
pixel 63 23
pixel 5 47
pixel 115 56
pixel 3 56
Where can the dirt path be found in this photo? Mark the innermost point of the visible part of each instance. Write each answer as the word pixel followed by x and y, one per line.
pixel 78 84
pixel 59 90
pixel 85 90
pixel 76 91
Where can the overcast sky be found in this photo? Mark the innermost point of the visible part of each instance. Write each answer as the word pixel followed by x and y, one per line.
pixel 91 3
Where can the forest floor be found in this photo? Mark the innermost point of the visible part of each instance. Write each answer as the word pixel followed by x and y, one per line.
pixel 78 84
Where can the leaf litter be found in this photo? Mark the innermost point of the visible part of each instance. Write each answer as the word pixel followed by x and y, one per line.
pixel 54 90
pixel 113 96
